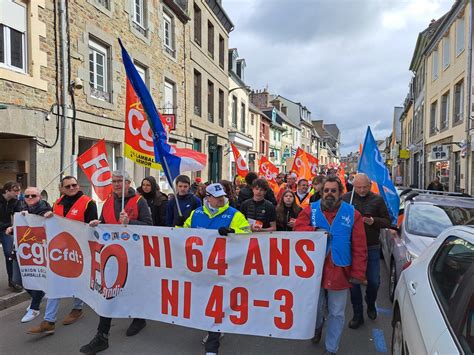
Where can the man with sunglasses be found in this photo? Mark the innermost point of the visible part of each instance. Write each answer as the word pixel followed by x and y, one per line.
pixel 72 204
pixel 346 256
pixel 136 211
pixel 217 214
pixel 8 203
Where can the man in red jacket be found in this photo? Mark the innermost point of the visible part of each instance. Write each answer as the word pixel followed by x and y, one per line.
pixel 346 256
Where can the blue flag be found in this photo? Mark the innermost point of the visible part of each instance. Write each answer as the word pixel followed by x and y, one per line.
pixel 372 164
pixel 174 161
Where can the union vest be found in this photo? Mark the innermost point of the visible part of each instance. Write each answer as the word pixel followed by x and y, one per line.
pixel 305 201
pixel 201 220
pixel 77 210
pixel 131 207
pixel 340 231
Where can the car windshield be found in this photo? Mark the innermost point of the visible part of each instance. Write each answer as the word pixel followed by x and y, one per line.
pixel 431 220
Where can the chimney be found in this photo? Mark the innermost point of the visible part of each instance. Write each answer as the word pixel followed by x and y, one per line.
pixel 260 98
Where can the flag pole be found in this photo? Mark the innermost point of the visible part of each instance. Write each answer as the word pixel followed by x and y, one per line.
pixel 172 186
pixel 123 184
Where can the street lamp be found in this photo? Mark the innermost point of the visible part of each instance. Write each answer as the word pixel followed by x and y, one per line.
pixel 246 87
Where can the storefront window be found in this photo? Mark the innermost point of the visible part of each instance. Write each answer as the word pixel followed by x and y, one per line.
pixel 442 171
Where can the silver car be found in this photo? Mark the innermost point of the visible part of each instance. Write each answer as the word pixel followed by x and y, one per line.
pixel 425 217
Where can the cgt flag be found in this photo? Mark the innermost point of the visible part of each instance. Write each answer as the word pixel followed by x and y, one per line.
pixel 268 171
pixel 173 160
pixel 301 166
pixel 240 165
pixel 313 163
pixel 371 164
pixel 94 164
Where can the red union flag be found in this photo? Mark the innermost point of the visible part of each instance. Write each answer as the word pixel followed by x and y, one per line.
pixel 301 166
pixel 93 163
pixel 240 165
pixel 267 170
pixel 313 163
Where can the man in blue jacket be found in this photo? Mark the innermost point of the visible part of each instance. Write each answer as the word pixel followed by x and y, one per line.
pixel 187 202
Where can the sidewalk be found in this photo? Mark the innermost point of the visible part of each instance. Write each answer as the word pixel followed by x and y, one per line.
pixel 8 298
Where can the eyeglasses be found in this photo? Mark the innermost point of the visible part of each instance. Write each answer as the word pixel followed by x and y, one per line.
pixel 330 190
pixel 72 186
pixel 31 196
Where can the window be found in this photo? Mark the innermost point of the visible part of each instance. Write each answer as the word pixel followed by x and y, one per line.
pixel 210 39
pixel 197 25
pixel 234 112
pixel 252 119
pixel 13 37
pixel 139 19
pixel 98 70
pixel 242 117
pixel 451 279
pixel 458 101
pixel 434 65
pixel 444 111
pixel 168 33
pixel 274 135
pixel 104 3
pixel 221 51
pixel 142 71
pixel 460 35
pixel 445 52
pixel 210 101
pixel 221 108
pixel 170 94
pixel 433 128
pixel 197 93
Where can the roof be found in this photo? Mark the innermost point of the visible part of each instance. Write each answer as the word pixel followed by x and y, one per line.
pixel 221 15
pixel 280 116
pixel 422 41
pixel 255 109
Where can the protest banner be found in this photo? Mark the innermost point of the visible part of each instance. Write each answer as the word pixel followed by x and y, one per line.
pixel 264 285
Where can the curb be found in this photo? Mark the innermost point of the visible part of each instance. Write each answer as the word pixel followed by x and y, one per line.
pixel 13 299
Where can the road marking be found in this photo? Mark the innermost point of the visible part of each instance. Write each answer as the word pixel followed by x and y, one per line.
pixel 387 311
pixel 379 340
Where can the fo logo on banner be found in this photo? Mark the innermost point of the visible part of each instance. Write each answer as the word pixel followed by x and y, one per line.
pixel 65 256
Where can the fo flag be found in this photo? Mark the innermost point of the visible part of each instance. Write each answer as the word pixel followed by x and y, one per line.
pixel 240 165
pixel 93 163
pixel 267 170
pixel 372 164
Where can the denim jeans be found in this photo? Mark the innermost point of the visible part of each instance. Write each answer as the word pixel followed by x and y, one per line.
pixel 36 297
pixel 7 244
pixel 373 283
pixel 336 304
pixel 52 307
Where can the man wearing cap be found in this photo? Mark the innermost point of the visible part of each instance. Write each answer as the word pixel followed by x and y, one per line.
pixel 136 211
pixel 217 214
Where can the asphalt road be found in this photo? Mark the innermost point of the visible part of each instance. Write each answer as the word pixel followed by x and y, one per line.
pixel 159 338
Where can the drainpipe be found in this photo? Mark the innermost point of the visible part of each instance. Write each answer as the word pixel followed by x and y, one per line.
pixel 64 80
pixel 469 100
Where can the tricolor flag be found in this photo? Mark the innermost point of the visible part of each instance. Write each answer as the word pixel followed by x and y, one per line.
pixel 173 160
pixel 372 164
pixel 240 165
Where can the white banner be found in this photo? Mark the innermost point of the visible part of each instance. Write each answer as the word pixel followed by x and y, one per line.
pixel 260 284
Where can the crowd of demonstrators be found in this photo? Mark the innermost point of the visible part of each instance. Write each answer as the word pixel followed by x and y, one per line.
pixel 346 257
pixel 287 211
pixel 242 206
pixel 375 216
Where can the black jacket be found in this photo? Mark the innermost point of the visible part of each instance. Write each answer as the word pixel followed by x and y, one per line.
pixel 187 204
pixel 7 208
pixel 38 209
pixel 263 211
pixel 374 206
pixel 246 193
pixel 157 202
pixel 282 224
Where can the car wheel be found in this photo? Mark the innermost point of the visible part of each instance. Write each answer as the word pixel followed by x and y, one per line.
pixel 392 283
pixel 397 335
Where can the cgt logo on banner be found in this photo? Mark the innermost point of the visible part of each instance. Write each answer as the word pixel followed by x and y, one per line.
pixel 264 285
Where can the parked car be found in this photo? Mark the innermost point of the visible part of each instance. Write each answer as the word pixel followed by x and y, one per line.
pixel 433 308
pixel 425 216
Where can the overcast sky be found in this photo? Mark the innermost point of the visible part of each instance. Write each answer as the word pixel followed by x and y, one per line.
pixel 346 60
